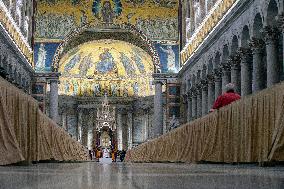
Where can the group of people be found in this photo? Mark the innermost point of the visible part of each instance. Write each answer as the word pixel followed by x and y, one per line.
pixel 99 152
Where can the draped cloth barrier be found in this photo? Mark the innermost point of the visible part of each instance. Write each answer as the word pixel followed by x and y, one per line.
pixel 26 134
pixel 248 130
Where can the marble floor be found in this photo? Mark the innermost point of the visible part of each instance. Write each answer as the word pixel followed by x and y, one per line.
pixel 93 175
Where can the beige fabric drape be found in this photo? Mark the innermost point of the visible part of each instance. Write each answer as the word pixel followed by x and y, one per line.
pixel 28 134
pixel 249 130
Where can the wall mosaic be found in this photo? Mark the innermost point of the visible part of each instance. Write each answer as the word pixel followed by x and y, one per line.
pixel 107 66
pixel 43 55
pixel 169 57
pixel 158 19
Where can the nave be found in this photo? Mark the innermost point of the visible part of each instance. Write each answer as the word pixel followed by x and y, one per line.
pixel 90 175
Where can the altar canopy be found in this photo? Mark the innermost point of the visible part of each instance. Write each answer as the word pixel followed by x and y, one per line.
pixel 249 130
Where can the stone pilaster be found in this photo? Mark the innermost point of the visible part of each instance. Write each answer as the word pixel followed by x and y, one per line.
pixel 246 71
pixel 189 106
pixel 53 100
pixel 218 82
pixel 257 47
pixel 199 100
pixel 158 108
pixel 280 20
pixel 226 74
pixel 273 67
pixel 211 91
pixel 194 103
pixel 204 87
pixel 79 124
pixel 236 72
pixel 130 129
pixel 119 129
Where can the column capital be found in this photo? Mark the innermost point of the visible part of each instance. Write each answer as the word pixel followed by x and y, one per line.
pixel 271 34
pixel 193 92
pixel 198 88
pixel 53 80
pixel 226 66
pixel 210 78
pixel 120 110
pixel 256 45
pixel 235 61
pixel 204 84
pixel 280 20
pixel 217 74
pixel 244 53
pixel 184 98
pixel 189 94
pixel 163 82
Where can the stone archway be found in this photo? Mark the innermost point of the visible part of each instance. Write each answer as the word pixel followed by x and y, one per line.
pixel 94 31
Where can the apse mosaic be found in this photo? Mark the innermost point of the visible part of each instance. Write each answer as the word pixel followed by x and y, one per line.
pixel 107 66
pixel 43 55
pixel 169 57
pixel 157 19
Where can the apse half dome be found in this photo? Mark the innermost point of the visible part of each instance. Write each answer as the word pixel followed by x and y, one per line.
pixel 114 67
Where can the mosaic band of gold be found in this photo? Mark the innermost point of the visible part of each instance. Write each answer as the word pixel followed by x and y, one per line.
pixel 206 28
pixel 5 21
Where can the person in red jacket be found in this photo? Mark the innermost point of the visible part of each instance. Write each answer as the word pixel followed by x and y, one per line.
pixel 226 98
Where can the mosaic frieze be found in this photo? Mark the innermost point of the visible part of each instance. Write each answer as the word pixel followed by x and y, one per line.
pixel 158 19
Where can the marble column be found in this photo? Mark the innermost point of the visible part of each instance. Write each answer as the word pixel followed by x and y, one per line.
pixel 53 100
pixel 226 74
pixel 273 66
pixel 280 20
pixel 194 104
pixel 258 81
pixel 246 71
pixel 79 126
pixel 204 86
pixel 64 119
pixel 199 100
pixel 158 108
pixel 119 131
pixel 236 73
pixel 211 91
pixel 189 106
pixel 218 83
pixel 146 127
pixel 129 129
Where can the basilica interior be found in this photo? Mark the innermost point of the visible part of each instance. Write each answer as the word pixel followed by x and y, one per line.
pixel 120 94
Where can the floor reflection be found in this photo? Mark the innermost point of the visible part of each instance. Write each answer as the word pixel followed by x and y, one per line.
pixel 92 175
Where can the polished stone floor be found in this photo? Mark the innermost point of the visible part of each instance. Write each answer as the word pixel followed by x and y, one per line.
pixel 93 175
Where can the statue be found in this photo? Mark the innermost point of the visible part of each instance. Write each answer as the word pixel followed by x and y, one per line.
pixel 174 123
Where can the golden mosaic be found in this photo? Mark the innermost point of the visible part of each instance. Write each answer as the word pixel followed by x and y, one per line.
pixel 107 66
